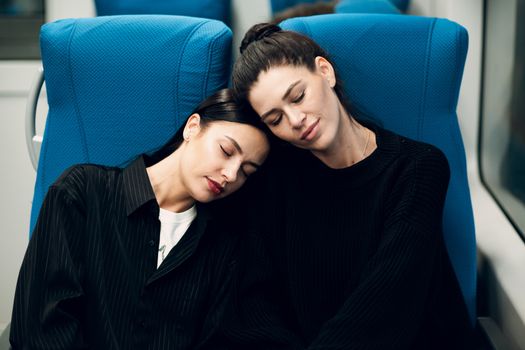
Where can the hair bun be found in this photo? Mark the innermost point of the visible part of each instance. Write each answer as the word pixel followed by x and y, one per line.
pixel 258 32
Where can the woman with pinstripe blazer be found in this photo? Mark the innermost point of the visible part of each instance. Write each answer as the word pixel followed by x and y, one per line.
pixel 135 257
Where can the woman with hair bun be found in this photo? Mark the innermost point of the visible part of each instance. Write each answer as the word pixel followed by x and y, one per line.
pixel 352 216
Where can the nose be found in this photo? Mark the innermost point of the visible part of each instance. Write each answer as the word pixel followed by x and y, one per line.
pixel 230 172
pixel 295 117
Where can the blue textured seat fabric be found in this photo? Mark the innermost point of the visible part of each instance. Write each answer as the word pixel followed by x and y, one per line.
pixel 119 86
pixel 349 6
pixel 213 9
pixel 279 5
pixel 405 71
pixel 366 6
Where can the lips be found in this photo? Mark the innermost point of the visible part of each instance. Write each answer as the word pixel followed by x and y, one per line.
pixel 308 131
pixel 215 187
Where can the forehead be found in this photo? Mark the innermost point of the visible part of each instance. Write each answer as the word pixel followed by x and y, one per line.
pixel 247 136
pixel 280 74
pixel 274 82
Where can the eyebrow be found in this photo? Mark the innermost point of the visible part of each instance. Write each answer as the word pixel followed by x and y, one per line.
pixel 238 147
pixel 235 144
pixel 286 94
pixel 289 90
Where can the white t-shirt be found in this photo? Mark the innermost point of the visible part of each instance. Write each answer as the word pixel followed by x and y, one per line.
pixel 172 228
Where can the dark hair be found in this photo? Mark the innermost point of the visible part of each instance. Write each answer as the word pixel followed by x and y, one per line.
pixel 221 106
pixel 266 45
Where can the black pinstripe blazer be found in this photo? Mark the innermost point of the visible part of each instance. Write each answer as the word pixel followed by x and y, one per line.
pixel 89 278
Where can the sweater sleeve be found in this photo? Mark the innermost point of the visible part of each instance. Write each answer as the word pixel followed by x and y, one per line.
pixel 386 308
pixel 49 292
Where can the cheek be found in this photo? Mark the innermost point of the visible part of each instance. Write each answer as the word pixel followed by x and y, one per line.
pixel 323 102
pixel 234 188
pixel 207 155
pixel 238 184
pixel 201 161
pixel 283 131
pixel 321 96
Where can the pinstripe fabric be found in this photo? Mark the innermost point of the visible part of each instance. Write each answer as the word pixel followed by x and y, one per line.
pixel 89 276
pixel 359 252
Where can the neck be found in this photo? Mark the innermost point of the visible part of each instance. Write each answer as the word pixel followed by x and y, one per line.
pixel 165 179
pixel 351 143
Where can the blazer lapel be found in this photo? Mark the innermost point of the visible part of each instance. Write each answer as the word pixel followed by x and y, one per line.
pixel 186 246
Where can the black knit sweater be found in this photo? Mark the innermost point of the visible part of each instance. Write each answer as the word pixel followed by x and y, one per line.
pixel 358 252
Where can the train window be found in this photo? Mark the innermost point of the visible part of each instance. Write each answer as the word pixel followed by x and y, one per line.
pixel 502 135
pixel 20 22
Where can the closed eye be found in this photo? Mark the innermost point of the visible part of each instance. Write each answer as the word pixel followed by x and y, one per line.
pixel 298 98
pixel 247 172
pixel 277 120
pixel 226 153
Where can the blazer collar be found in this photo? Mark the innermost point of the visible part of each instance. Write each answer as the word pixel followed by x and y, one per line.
pixel 137 186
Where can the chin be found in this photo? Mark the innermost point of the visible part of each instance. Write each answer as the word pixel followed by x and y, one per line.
pixel 209 197
pixel 312 146
pixel 301 145
pixel 205 199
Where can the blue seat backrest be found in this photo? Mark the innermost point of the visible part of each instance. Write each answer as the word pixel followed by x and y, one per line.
pixel 280 5
pixel 365 6
pixel 351 6
pixel 401 4
pixel 213 9
pixel 119 86
pixel 406 72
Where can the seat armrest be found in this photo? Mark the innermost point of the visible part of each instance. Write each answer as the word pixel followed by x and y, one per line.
pixel 4 338
pixel 490 335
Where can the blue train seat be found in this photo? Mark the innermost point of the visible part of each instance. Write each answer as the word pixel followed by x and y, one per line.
pixel 213 9
pixel 279 5
pixel 350 6
pixel 366 6
pixel 402 5
pixel 118 86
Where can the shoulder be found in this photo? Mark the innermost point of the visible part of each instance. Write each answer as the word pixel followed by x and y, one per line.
pixel 420 179
pixel 423 159
pixel 418 169
pixel 77 180
pixel 419 150
pixel 425 172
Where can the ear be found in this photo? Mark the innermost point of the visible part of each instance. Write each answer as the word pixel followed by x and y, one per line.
pixel 192 127
pixel 326 69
